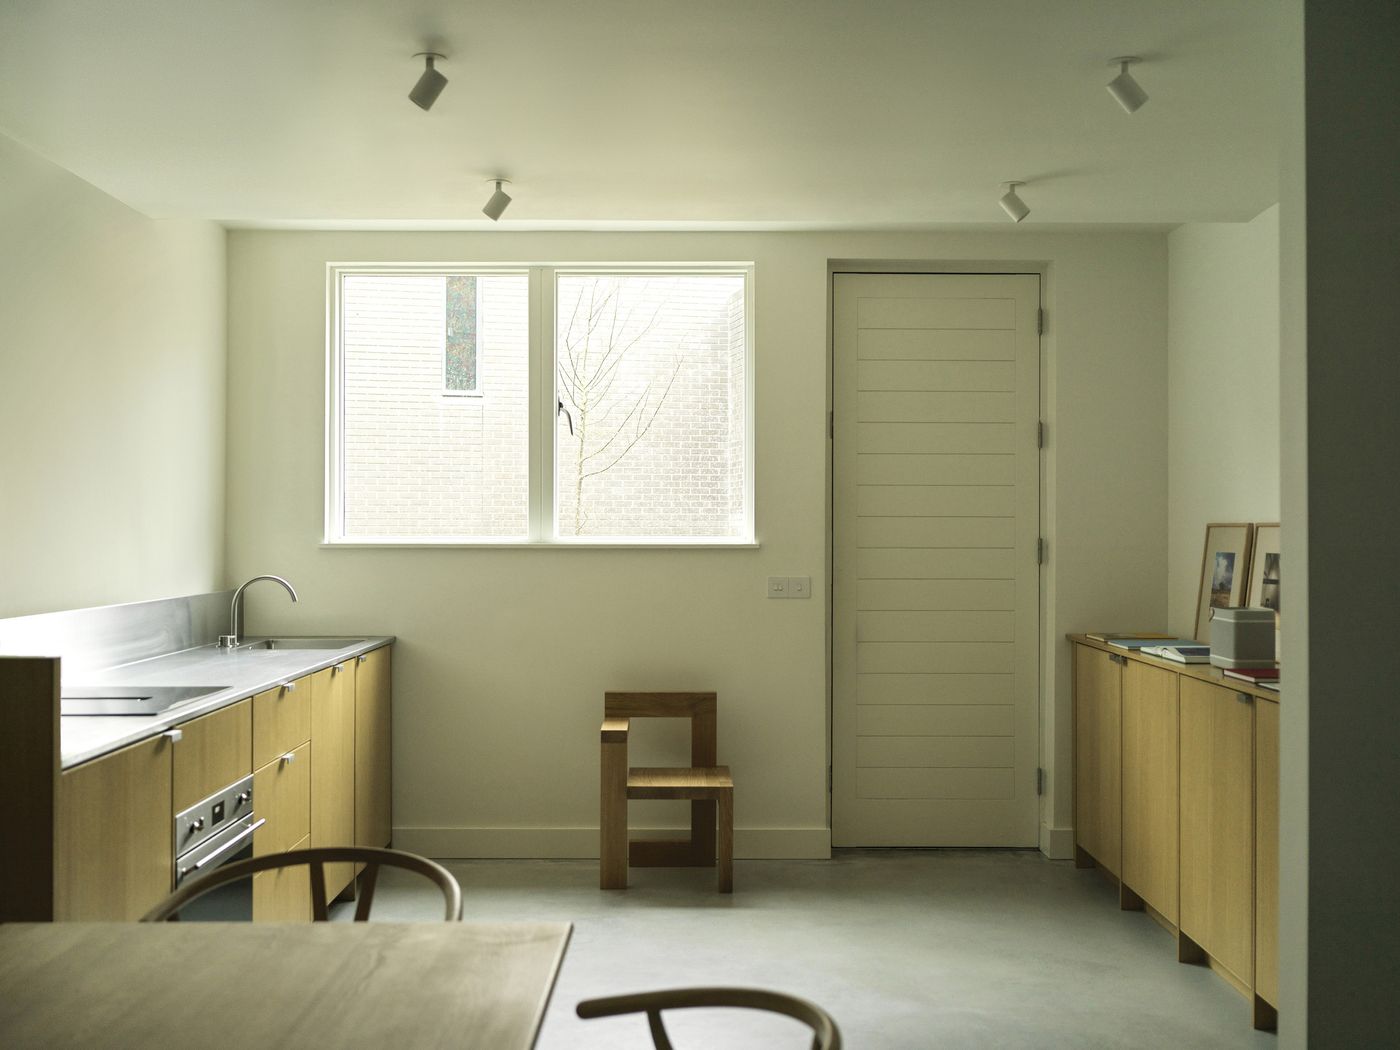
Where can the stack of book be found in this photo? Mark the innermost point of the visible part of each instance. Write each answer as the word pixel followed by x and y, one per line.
pixel 1263 676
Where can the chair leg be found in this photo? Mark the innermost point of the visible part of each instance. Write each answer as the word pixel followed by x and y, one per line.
pixel 702 832
pixel 725 842
pixel 612 823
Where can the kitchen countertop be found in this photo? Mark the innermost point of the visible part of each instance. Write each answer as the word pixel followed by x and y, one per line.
pixel 240 673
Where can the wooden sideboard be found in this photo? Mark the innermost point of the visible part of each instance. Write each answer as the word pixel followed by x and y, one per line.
pixel 1176 799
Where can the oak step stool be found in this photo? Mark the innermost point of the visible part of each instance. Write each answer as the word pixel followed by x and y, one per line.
pixel 707 785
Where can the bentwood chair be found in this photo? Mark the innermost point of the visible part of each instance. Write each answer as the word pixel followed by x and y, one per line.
pixel 315 861
pixel 825 1034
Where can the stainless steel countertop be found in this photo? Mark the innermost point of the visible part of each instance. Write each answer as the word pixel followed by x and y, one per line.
pixel 242 672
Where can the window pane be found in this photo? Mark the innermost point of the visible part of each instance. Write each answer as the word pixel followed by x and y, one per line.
pixel 649 436
pixel 419 458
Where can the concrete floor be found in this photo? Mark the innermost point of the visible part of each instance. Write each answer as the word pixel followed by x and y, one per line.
pixel 906 949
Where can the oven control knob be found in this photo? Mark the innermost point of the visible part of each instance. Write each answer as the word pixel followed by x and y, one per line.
pixel 196 825
pixel 244 797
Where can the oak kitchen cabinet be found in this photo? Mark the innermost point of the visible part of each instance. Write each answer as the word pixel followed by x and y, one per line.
pixel 95 842
pixel 1150 818
pixel 1193 756
pixel 1098 797
pixel 333 766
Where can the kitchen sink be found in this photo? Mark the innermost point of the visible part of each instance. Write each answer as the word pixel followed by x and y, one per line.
pixel 302 643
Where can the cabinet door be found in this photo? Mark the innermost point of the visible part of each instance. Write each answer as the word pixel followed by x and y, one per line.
pixel 282 795
pixel 213 752
pixel 333 766
pixel 1217 824
pixel 1266 851
pixel 283 894
pixel 1098 687
pixel 1150 818
pixel 281 721
pixel 372 762
pixel 114 832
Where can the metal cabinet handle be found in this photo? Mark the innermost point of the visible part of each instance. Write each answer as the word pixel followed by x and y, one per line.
pixel 1244 698
pixel 289 758
pixel 290 687
pixel 174 735
pixel 338 668
pixel 362 658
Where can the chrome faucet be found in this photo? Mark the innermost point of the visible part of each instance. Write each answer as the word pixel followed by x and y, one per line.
pixel 235 613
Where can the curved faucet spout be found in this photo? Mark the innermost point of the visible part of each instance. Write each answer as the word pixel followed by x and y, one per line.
pixel 235 612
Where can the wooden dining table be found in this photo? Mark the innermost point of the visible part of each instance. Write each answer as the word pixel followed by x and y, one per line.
pixel 386 986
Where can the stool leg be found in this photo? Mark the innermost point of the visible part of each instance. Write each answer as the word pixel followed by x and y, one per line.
pixel 725 843
pixel 612 823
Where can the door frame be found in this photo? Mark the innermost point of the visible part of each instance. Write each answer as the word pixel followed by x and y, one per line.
pixel 1055 804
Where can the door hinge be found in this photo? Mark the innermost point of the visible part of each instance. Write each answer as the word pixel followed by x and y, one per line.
pixel 830 424
pixel 1040 550
pixel 1039 780
pixel 1040 321
pixel 1040 434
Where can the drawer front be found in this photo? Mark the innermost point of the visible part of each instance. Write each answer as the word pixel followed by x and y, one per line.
pixel 283 894
pixel 282 794
pixel 281 720
pixel 213 752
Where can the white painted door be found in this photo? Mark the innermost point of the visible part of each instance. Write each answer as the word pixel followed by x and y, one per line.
pixel 936 474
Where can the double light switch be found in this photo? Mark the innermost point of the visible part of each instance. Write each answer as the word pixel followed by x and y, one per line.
pixel 789 586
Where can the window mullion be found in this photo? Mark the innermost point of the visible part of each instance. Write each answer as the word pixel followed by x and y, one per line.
pixel 542 404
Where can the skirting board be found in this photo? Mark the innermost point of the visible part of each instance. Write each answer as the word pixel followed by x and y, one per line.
pixel 558 843
pixel 1057 843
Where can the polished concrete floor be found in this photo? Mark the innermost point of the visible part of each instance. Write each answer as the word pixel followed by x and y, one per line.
pixel 941 948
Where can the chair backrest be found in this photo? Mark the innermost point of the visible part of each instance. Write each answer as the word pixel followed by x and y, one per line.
pixel 700 708
pixel 315 861
pixel 825 1034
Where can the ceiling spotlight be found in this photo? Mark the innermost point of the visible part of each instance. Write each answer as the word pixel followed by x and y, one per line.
pixel 496 206
pixel 430 84
pixel 1012 204
pixel 1125 90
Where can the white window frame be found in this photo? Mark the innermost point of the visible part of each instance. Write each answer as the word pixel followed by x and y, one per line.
pixel 542 433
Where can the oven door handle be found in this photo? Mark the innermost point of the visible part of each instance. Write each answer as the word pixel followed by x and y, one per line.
pixel 197 865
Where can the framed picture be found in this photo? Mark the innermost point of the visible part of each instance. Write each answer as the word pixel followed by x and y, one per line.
pixel 1224 571
pixel 1264 569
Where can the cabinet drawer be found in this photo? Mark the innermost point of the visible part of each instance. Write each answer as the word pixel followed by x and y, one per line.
pixel 283 894
pixel 213 752
pixel 282 794
pixel 281 720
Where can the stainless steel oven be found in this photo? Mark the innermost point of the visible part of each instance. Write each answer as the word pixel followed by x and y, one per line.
pixel 210 834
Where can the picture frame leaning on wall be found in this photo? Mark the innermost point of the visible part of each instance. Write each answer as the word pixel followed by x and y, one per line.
pixel 1264 569
pixel 1224 571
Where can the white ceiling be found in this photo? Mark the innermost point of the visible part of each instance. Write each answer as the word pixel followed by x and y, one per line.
pixel 816 113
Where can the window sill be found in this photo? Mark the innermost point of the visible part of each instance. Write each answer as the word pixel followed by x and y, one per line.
pixel 542 546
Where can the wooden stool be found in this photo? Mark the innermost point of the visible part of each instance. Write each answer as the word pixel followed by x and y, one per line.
pixel 708 786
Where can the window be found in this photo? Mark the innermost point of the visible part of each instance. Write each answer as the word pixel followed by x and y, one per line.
pixel 550 405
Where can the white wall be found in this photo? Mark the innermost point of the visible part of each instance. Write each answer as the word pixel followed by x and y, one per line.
pixel 1223 391
pixel 504 654
pixel 112 386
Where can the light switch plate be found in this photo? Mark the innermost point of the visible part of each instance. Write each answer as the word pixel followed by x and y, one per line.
pixel 799 587
pixel 777 586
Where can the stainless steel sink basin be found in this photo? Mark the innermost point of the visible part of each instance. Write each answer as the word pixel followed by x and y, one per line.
pixel 301 643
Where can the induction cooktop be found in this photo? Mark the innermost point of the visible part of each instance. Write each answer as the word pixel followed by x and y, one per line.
pixel 129 699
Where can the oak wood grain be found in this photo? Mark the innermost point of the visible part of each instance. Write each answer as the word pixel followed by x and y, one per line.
pixel 333 766
pixel 213 752
pixel 282 794
pixel 354 986
pixel 1098 687
pixel 281 720
pixel 114 842
pixel 1266 789
pixel 1149 777
pixel 678 782
pixel 373 750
